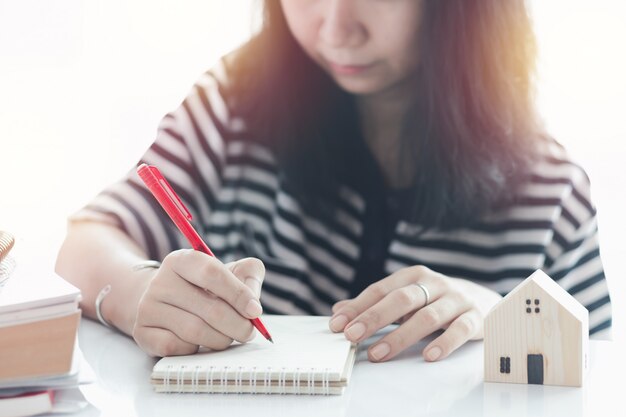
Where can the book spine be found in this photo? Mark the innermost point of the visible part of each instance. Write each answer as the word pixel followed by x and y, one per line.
pixel 246 380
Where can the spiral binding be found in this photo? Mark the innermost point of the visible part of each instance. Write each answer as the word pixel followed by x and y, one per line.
pixel 166 379
pixel 282 383
pixel 296 380
pixel 179 378
pixel 211 370
pixel 195 379
pixel 224 379
pixel 239 380
pixel 311 381
pixel 213 379
pixel 267 379
pixel 253 380
pixel 326 381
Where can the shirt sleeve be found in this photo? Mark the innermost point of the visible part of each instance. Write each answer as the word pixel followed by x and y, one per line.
pixel 189 150
pixel 573 259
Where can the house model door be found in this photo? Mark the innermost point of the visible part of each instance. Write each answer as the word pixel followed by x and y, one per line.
pixel 535 369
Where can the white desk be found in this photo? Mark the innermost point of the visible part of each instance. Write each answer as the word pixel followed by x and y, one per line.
pixel 406 386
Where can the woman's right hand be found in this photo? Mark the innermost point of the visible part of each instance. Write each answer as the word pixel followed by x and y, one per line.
pixel 195 300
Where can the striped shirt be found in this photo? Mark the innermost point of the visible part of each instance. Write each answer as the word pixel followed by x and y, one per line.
pixel 242 206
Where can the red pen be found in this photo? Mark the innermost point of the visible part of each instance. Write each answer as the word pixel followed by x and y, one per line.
pixel 174 207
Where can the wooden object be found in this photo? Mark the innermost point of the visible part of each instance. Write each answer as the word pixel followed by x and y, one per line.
pixel 537 334
pixel 6 243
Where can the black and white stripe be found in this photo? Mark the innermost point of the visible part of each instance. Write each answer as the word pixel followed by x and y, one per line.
pixel 241 205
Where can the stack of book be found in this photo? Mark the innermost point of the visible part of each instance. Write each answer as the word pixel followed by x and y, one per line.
pixel 39 318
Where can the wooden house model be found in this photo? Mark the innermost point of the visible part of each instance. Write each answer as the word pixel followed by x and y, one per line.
pixel 537 334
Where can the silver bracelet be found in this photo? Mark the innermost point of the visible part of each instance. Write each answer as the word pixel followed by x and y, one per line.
pixel 103 293
pixel 146 264
pixel 107 289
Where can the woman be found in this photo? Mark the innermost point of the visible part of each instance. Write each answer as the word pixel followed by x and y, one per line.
pixel 382 158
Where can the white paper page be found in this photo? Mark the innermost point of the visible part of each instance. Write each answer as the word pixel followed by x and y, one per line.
pixel 27 289
pixel 301 343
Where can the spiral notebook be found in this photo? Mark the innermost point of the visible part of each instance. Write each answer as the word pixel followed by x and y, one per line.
pixel 306 358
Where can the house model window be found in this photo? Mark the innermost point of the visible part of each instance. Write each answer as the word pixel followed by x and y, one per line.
pixel 505 365
pixel 529 308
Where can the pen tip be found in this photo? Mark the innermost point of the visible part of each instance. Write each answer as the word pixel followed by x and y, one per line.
pixel 270 339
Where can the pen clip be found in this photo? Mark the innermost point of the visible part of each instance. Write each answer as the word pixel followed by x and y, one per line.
pixel 165 186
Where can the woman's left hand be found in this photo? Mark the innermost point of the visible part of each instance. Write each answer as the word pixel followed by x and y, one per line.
pixel 457 305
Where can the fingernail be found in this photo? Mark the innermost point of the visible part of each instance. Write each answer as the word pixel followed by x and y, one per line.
pixel 355 331
pixel 254 309
pixel 254 284
pixel 379 351
pixel 434 353
pixel 338 323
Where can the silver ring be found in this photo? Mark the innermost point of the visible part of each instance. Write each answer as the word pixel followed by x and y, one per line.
pixel 426 293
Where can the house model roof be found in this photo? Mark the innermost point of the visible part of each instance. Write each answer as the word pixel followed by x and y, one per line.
pixel 554 290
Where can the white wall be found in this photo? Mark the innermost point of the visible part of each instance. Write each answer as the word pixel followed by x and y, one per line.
pixel 83 84
pixel 582 95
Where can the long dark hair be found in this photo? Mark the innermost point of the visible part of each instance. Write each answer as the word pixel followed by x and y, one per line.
pixel 477 128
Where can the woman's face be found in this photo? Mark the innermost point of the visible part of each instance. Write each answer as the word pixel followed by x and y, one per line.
pixel 367 46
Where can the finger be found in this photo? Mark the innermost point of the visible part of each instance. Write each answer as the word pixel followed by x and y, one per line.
pixel 339 304
pixel 250 271
pixel 395 305
pixel 209 273
pixel 405 317
pixel 211 309
pixel 338 321
pixel 187 327
pixel 435 283
pixel 462 329
pixel 162 342
pixel 425 321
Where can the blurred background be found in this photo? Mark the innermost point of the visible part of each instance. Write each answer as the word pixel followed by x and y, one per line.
pixel 83 84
